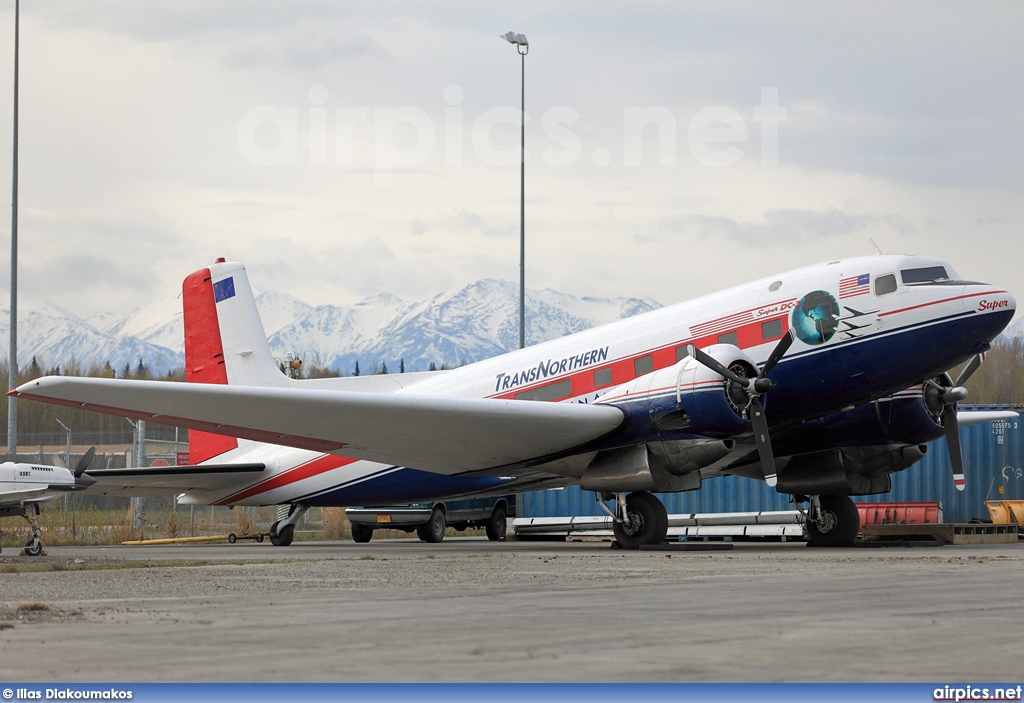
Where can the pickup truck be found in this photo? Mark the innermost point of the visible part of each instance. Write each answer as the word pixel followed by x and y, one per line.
pixel 430 520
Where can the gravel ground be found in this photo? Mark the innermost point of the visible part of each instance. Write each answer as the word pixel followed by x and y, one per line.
pixel 474 611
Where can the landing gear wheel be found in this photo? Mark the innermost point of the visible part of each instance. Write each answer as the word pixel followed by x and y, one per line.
pixel 646 522
pixel 284 537
pixel 33 548
pixel 232 539
pixel 273 528
pixel 361 533
pixel 433 531
pixel 837 522
pixel 259 538
pixel 497 525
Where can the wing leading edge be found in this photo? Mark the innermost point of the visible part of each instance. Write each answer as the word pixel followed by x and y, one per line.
pixel 445 435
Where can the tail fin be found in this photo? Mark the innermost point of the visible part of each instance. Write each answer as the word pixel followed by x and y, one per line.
pixel 224 342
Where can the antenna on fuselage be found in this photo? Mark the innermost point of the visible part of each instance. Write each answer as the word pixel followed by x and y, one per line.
pixel 877 248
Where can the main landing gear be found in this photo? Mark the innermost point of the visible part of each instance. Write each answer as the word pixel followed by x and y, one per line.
pixel 639 519
pixel 282 532
pixel 832 520
pixel 30 511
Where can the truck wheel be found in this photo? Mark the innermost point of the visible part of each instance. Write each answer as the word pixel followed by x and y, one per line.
pixel 433 531
pixel 361 533
pixel 497 525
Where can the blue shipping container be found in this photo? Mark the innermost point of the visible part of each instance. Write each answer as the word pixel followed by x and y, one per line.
pixel 993 455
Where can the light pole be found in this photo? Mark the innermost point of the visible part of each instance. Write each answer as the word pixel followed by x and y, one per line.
pixel 12 356
pixel 523 47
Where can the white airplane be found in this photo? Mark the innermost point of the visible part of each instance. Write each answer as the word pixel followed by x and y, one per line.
pixel 25 487
pixel 821 381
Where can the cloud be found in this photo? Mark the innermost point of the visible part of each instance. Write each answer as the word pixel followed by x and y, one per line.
pixel 306 49
pixel 784 226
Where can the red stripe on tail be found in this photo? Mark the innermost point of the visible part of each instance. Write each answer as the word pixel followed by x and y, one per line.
pixel 204 357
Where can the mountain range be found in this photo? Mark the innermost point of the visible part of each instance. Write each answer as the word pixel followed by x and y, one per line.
pixel 473 323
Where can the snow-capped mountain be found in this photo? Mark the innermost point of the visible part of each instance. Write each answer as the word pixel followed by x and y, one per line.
pixel 473 323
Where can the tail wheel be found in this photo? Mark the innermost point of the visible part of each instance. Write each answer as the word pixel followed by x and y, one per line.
pixel 497 525
pixel 33 548
pixel 361 533
pixel 284 537
pixel 837 522
pixel 646 522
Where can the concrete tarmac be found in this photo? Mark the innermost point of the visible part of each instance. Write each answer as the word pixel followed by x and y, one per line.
pixel 472 610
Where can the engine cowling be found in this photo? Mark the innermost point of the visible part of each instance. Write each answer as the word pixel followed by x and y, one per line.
pixel 688 398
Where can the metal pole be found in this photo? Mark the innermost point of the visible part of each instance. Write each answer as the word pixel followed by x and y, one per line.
pixel 522 205
pixel 67 464
pixel 12 356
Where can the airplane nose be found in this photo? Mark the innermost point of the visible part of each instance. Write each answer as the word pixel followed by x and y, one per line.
pixel 992 308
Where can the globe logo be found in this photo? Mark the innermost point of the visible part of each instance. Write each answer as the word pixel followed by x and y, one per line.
pixel 816 317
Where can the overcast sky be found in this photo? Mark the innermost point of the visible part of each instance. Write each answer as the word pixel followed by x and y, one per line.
pixel 157 136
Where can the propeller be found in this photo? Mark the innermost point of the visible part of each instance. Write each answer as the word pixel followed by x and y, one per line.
pixel 946 397
pixel 754 388
pixel 81 478
pixel 83 463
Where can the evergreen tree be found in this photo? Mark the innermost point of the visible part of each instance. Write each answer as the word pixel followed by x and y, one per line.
pixel 356 372
pixel 384 367
pixel 401 366
pixel 433 366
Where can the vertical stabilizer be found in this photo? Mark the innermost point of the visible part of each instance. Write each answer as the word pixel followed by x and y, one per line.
pixel 224 342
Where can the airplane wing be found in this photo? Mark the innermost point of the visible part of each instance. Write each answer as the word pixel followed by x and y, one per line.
pixel 978 417
pixel 8 498
pixel 169 481
pixel 441 434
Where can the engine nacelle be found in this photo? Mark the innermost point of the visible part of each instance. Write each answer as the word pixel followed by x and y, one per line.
pixel 688 397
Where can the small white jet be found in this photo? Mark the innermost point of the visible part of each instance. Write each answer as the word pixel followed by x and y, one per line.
pixel 820 381
pixel 24 487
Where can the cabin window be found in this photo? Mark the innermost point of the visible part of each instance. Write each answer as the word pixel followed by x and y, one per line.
pixel 681 353
pixel 885 284
pixel 643 365
pixel 925 274
pixel 552 391
pixel 730 338
pixel 602 377
pixel 771 329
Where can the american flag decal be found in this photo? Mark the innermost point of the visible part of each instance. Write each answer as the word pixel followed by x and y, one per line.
pixel 854 286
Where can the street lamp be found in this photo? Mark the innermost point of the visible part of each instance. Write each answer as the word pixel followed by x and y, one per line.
pixel 523 47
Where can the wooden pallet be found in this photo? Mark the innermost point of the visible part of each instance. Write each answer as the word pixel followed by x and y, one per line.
pixel 950 533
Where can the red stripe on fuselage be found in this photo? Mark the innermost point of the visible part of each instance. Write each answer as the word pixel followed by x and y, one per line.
pixel 944 300
pixel 301 472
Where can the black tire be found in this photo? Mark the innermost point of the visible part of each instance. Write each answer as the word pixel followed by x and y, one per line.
pixel 232 539
pixel 497 525
pixel 33 548
pixel 433 531
pixel 284 537
pixel 259 538
pixel 648 522
pixel 841 522
pixel 361 533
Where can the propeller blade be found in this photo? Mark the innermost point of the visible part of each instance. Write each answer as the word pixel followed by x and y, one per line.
pixel 781 348
pixel 716 365
pixel 763 441
pixel 84 462
pixel 956 457
pixel 969 369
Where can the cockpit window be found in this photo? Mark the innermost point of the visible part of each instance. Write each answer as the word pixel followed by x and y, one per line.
pixel 885 284
pixel 925 274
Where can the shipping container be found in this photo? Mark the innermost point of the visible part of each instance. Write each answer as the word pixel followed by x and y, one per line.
pixel 993 456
